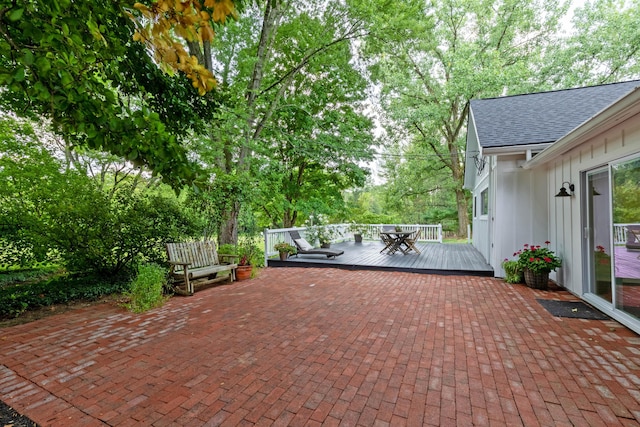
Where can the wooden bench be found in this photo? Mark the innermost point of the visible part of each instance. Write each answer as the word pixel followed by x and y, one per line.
pixel 198 262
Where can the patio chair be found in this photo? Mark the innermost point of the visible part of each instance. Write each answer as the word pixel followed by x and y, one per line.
pixel 386 238
pixel 411 241
pixel 305 248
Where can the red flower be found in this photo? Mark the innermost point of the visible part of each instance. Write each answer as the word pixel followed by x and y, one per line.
pixel 547 242
pixel 547 259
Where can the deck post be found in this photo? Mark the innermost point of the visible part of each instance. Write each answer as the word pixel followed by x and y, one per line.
pixel 266 247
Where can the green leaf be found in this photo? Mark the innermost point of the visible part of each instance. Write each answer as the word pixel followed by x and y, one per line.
pixel 19 75
pixel 16 15
pixel 28 57
pixel 43 65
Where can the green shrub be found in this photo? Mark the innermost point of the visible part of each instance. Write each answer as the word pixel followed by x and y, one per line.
pixel 249 247
pixel 12 277
pixel 16 299
pixel 228 249
pixel 146 291
pixel 48 209
pixel 512 270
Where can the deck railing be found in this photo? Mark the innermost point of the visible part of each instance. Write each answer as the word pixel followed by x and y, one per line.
pixel 428 233
pixel 620 233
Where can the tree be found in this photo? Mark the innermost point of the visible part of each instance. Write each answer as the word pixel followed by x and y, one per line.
pixel 48 210
pixel 266 64
pixel 432 58
pixel 314 144
pixel 604 46
pixel 73 62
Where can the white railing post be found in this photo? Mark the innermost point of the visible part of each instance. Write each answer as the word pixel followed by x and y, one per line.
pixel 266 243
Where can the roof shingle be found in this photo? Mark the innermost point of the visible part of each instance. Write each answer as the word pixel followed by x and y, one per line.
pixel 543 117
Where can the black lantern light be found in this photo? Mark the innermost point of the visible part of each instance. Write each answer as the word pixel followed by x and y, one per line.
pixel 563 191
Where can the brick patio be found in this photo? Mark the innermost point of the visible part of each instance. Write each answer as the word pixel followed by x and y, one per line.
pixel 321 346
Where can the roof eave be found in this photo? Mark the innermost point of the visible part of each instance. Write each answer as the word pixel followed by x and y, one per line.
pixel 625 107
pixel 515 149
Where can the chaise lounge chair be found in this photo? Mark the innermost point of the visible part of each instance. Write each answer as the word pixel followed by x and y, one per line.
pixel 304 248
pixel 633 239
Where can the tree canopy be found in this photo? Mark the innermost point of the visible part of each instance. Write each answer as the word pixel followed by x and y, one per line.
pixel 266 106
pixel 74 63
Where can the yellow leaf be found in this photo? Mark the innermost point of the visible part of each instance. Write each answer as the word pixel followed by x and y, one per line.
pixel 140 7
pixel 169 56
pixel 164 6
pixel 206 32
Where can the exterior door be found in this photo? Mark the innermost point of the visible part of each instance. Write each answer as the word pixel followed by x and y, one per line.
pixel 597 234
pixel 625 182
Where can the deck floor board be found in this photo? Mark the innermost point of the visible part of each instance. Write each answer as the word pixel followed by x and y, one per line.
pixel 435 258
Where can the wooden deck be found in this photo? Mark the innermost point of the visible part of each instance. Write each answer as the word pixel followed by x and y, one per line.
pixel 436 258
pixel 627 263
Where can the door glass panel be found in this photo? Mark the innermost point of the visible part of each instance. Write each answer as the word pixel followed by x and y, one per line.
pixel 625 177
pixel 599 233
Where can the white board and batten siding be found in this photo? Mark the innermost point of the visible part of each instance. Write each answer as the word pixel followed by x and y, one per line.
pixel 566 222
pixel 521 211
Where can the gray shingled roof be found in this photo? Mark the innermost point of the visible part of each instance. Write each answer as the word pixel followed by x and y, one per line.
pixel 543 117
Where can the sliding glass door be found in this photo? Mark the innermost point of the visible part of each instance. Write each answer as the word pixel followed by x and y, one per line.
pixel 625 184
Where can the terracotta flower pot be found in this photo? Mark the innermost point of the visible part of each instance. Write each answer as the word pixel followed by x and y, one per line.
pixel 243 272
pixel 284 256
pixel 536 279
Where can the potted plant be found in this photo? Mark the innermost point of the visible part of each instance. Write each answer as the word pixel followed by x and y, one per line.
pixel 512 270
pixel 284 249
pixel 358 231
pixel 247 251
pixel 536 263
pixel 325 235
pixel 319 229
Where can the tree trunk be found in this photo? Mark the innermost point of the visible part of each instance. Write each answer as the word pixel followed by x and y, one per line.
pixel 289 218
pixel 229 226
pixel 463 218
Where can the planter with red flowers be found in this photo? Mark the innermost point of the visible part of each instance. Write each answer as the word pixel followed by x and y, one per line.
pixel 536 263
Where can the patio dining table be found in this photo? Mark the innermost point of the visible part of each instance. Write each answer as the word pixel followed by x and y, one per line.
pixel 396 241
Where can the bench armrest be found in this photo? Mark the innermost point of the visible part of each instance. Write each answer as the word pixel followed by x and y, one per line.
pixel 224 257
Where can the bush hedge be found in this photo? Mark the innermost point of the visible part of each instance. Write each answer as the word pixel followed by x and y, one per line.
pixel 16 299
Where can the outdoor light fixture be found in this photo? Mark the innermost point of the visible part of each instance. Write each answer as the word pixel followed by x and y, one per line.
pixel 563 190
pixel 594 192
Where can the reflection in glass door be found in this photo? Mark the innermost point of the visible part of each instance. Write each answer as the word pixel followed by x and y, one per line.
pixel 598 233
pixel 625 180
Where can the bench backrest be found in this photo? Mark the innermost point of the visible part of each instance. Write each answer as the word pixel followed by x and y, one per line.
pixel 199 254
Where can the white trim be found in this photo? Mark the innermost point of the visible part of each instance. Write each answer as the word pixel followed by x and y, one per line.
pixel 516 149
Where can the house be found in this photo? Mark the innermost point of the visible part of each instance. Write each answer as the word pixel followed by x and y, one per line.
pixel 522 150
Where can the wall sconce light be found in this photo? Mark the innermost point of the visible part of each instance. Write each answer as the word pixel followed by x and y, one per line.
pixel 563 190
pixel 594 192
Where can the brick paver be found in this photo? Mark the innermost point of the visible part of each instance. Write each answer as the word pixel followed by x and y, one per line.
pixel 328 347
